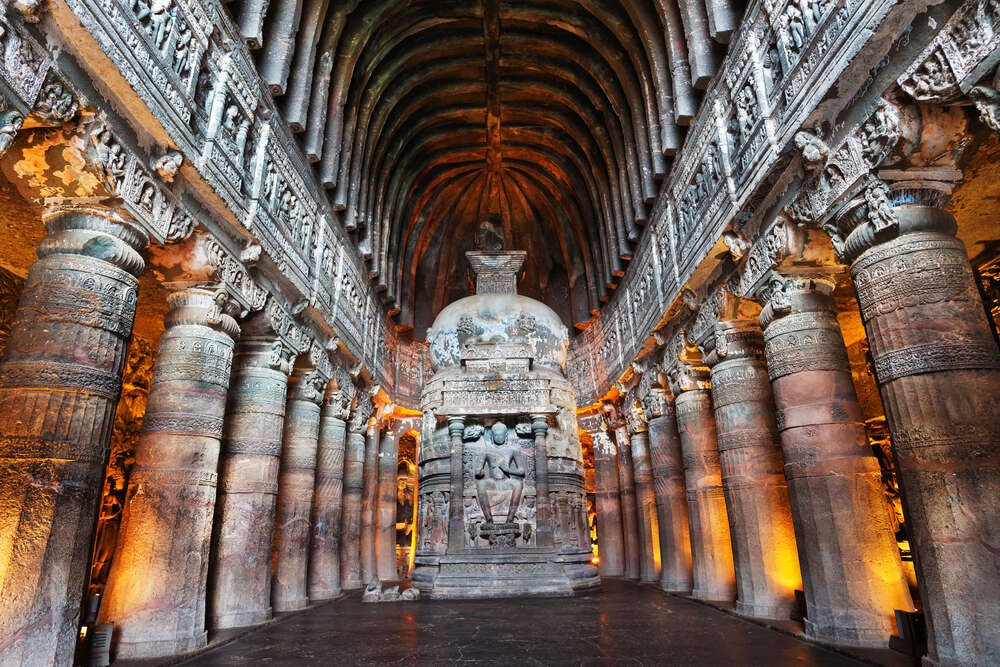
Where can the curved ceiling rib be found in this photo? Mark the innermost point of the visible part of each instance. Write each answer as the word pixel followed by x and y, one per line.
pixel 556 118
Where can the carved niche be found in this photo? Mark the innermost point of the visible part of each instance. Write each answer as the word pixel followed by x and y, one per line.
pixel 498 485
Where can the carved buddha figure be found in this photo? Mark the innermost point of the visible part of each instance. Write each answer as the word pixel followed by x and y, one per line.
pixel 501 467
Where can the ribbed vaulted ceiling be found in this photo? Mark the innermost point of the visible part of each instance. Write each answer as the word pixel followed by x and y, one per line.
pixel 554 118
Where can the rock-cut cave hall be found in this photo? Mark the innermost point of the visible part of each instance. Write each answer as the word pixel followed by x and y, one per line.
pixel 429 332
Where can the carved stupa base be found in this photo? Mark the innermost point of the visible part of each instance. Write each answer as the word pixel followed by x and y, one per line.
pixel 486 576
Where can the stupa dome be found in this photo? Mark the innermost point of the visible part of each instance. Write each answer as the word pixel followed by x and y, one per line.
pixel 498 318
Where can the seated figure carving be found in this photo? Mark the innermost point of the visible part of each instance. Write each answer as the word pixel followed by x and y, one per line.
pixel 502 467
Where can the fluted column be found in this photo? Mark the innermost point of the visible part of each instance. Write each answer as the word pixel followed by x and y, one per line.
pixel 753 476
pixel 296 479
pixel 671 501
pixel 157 583
pixel 850 563
pixel 711 546
pixel 369 497
pixel 60 381
pixel 350 521
pixel 938 370
pixel 324 558
pixel 645 506
pixel 385 511
pixel 610 540
pixel 626 492
pixel 240 576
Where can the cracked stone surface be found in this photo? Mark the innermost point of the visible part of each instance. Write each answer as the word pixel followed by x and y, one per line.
pixel 625 623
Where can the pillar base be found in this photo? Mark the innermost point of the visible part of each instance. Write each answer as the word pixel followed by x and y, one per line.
pixel 858 637
pixel 772 612
pixel 240 620
pixel 161 648
pixel 679 588
pixel 290 605
pixel 707 595
pixel 328 595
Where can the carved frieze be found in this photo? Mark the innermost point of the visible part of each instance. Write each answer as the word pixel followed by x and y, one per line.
pixel 958 55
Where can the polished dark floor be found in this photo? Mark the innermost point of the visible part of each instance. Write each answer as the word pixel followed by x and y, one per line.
pixel 624 624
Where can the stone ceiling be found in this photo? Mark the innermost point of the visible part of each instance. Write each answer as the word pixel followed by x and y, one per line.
pixel 422 118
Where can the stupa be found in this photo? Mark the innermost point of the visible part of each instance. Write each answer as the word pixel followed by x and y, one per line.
pixel 501 505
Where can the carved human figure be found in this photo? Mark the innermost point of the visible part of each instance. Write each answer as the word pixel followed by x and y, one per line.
pixel 500 463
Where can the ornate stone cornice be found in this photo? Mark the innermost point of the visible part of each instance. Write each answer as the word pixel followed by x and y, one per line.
pixel 293 336
pixel 232 276
pixel 834 173
pixel 958 56
pixel 779 67
pixel 126 177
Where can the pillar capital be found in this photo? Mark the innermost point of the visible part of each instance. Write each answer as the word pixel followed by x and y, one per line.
pixel 361 413
pixel 340 392
pixel 307 384
pixel 738 339
pixel 89 228
pixel 797 292
pixel 893 204
pixel 687 376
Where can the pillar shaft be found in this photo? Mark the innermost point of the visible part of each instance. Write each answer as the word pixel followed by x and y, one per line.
pixel 645 507
pixel 850 563
pixel 156 586
pixel 753 477
pixel 626 490
pixel 369 497
pixel 671 502
pixel 324 559
pixel 937 366
pixel 240 577
pixel 385 512
pixel 610 541
pixel 711 548
pixel 350 524
pixel 296 480
pixel 60 381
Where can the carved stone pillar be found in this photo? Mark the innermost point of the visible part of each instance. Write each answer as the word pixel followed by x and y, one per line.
pixel 324 558
pixel 938 371
pixel 711 548
pixel 543 502
pixel 156 587
pixel 753 477
pixel 60 380
pixel 385 511
pixel 851 570
pixel 350 524
pixel 296 479
pixel 240 577
pixel 369 497
pixel 610 541
pixel 645 506
pixel 671 501
pixel 626 491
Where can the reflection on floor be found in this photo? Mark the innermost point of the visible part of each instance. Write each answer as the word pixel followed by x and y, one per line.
pixel 623 624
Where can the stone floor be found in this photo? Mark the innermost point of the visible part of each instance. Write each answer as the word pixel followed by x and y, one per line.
pixel 624 624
